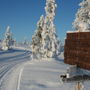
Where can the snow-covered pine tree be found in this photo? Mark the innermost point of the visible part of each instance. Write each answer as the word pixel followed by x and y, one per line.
pixel 25 42
pixel 36 42
pixel 8 40
pixel 44 42
pixel 51 45
pixel 82 21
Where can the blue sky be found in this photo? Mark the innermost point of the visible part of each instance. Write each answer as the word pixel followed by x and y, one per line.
pixel 23 15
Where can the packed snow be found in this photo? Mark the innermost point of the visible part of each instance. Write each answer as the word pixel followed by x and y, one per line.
pixel 8 60
pixel 19 72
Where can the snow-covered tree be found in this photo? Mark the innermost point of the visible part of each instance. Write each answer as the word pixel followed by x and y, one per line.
pixel 8 40
pixel 36 43
pixel 45 43
pixel 82 21
pixel 51 45
pixel 25 41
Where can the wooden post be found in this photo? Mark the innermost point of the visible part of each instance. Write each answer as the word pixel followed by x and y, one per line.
pixel 79 86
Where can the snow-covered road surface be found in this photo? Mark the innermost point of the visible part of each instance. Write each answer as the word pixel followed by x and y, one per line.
pixel 11 63
pixel 18 72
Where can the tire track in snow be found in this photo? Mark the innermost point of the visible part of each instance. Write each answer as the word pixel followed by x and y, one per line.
pixel 19 78
pixel 8 65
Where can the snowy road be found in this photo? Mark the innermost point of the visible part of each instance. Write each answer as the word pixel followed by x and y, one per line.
pixel 18 72
pixel 11 62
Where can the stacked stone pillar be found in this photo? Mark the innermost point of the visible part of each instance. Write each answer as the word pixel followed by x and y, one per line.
pixel 77 49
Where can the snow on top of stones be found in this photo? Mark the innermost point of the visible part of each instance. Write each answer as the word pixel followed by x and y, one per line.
pixel 77 31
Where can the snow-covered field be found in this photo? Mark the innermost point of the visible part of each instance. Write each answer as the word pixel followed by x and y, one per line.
pixel 19 72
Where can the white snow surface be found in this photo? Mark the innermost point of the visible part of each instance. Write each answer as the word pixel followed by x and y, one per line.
pixel 19 72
